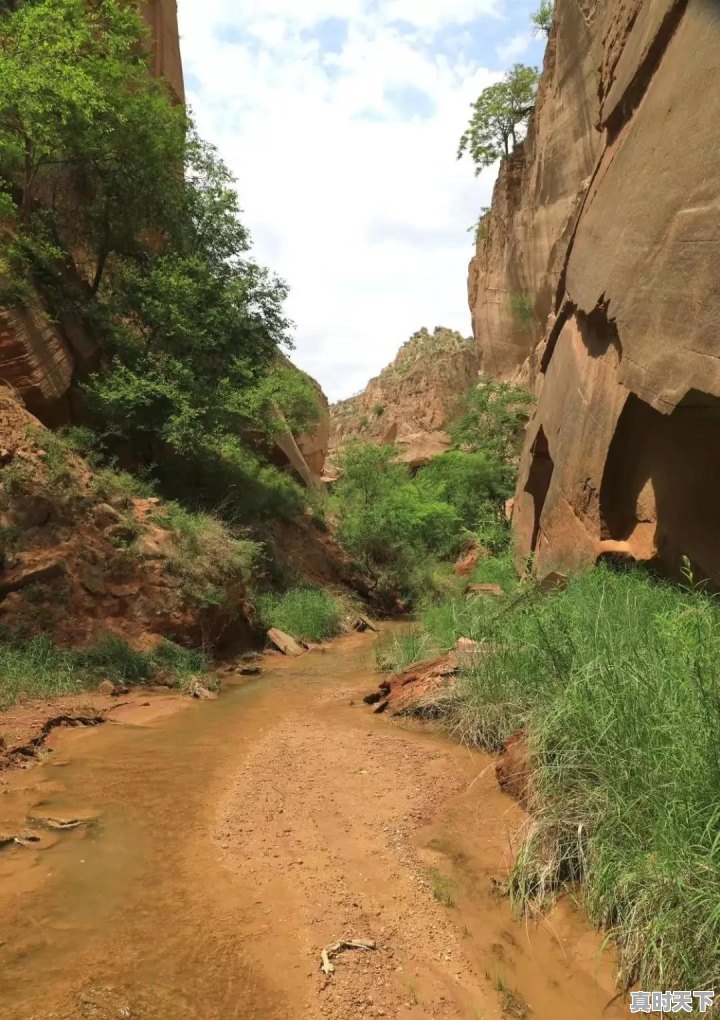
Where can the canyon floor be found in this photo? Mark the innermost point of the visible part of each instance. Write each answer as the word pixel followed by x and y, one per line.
pixel 223 845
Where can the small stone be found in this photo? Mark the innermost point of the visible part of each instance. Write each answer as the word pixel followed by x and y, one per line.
pixel 106 687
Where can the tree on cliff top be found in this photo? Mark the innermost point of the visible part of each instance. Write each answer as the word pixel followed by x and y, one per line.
pixel 498 115
pixel 543 17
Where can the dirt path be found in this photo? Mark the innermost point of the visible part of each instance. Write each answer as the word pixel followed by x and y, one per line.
pixel 238 839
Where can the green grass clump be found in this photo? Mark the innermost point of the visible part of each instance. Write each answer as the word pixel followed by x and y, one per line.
pixel 309 614
pixel 396 650
pixel 37 668
pixel 497 570
pixel 442 888
pixel 209 557
pixel 616 682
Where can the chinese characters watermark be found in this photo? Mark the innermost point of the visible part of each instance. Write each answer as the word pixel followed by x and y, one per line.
pixel 671 1002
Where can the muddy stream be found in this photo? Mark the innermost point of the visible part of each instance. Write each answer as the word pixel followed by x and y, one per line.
pixel 223 845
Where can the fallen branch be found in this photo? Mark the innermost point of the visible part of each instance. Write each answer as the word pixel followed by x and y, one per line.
pixel 366 945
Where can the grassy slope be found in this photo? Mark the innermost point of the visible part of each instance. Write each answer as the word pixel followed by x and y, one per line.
pixel 616 682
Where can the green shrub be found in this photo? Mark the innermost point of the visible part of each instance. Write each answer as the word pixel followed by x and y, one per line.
pixel 490 419
pixel 470 482
pixel 522 309
pixel 497 570
pixel 308 614
pixel 391 523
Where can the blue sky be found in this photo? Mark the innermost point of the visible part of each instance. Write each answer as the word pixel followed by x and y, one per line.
pixel 340 120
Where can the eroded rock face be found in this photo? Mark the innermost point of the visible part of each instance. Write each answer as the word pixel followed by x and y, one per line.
pixel 409 403
pixel 162 18
pixel 607 223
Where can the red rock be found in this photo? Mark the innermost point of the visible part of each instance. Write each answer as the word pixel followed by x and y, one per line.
pixel 284 643
pixel 467 564
pixel 619 341
pixel 415 687
pixel 487 590
pixel 514 770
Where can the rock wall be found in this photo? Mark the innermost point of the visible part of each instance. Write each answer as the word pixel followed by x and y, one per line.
pixel 596 283
pixel 162 19
pixel 408 404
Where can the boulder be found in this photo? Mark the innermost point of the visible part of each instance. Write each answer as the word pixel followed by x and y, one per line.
pixel 419 689
pixel 104 516
pixel 92 579
pixel 202 693
pixel 467 563
pixel 30 511
pixel 284 643
pixel 514 770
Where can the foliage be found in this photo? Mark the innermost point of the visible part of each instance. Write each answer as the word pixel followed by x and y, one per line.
pixel 390 522
pixel 309 614
pixel 521 307
pixel 468 481
pixel 128 222
pixel 37 668
pixel 490 419
pixel 84 130
pixel 615 682
pixel 543 17
pixel 498 116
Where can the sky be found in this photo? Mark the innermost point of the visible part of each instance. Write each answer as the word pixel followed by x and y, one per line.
pixel 340 120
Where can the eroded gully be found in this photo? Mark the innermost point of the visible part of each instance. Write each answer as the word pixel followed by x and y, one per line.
pixel 235 839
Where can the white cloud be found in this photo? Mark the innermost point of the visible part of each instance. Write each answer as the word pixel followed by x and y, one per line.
pixel 357 202
pixel 515 47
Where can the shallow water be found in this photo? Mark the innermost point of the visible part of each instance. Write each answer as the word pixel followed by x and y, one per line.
pixel 137 914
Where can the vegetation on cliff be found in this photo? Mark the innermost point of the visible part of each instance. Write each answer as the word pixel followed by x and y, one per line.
pixel 499 116
pixel 124 220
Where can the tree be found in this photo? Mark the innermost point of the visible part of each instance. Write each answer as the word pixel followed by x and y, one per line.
pixel 543 17
pixel 390 522
pixel 498 115
pixel 490 419
pixel 90 144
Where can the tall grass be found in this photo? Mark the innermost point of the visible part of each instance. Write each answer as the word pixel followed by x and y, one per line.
pixel 310 614
pixel 616 681
pixel 37 668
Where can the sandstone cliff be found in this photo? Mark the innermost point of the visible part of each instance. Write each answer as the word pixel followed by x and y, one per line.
pixel 596 283
pixel 409 402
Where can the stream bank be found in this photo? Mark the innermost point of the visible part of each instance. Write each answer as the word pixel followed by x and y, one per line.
pixel 230 842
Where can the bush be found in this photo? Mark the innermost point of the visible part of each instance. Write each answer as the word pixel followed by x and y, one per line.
pixel 490 419
pixel 470 482
pixel 308 614
pixel 391 523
